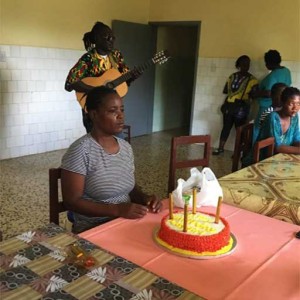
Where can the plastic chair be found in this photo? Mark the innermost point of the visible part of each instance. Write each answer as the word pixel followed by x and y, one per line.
pixel 127 133
pixel 268 143
pixel 56 206
pixel 243 144
pixel 187 163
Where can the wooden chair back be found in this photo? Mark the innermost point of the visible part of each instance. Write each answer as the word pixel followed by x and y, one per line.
pixel 187 163
pixel 127 133
pixel 268 143
pixel 243 144
pixel 55 206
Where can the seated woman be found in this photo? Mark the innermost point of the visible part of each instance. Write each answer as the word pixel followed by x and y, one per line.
pixel 282 125
pixel 97 180
pixel 276 91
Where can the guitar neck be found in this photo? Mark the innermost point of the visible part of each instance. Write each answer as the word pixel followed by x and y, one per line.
pixel 128 75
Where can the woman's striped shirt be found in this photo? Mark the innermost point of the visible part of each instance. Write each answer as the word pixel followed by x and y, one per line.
pixel 109 178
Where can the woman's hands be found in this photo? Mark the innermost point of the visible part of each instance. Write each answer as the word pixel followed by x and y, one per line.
pixel 136 211
pixel 131 210
pixel 154 204
pixel 72 190
pixel 257 93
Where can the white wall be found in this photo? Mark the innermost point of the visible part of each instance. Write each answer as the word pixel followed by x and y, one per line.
pixel 36 113
pixel 212 74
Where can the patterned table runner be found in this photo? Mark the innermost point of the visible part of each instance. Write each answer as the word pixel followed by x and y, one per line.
pixel 269 187
pixel 34 266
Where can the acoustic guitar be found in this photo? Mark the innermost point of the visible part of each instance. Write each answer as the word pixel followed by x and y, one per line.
pixel 112 78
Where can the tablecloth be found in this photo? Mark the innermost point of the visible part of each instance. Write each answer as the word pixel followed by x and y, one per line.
pixel 270 187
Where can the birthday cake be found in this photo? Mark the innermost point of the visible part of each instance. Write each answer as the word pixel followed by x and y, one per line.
pixel 203 237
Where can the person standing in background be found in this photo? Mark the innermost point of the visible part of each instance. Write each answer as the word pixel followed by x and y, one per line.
pixel 263 93
pixel 236 106
pixel 100 57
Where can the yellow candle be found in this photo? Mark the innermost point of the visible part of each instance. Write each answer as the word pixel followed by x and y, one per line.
pixel 218 210
pixel 171 205
pixel 194 200
pixel 185 216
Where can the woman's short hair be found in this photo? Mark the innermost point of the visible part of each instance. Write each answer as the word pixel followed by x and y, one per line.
pixel 276 87
pixel 272 57
pixel 238 61
pixel 289 93
pixel 96 97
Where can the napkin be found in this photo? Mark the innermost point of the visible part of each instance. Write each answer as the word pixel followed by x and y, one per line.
pixel 207 185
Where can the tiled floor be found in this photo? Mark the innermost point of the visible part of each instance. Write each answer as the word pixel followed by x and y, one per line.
pixel 24 180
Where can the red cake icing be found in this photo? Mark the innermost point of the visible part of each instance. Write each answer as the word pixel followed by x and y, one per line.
pixel 192 242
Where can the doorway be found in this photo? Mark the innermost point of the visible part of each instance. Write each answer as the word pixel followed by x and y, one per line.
pixel 163 97
pixel 175 81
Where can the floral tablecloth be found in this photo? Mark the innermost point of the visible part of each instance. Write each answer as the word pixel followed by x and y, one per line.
pixel 270 187
pixel 33 265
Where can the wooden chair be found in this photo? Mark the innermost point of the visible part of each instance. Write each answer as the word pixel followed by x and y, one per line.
pixel 127 133
pixel 268 143
pixel 243 144
pixel 56 206
pixel 187 163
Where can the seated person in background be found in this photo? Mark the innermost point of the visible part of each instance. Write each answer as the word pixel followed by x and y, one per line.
pixel 282 125
pixel 97 180
pixel 276 91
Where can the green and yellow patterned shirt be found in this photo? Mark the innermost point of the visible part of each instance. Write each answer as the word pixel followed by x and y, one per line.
pixel 91 64
pixel 238 87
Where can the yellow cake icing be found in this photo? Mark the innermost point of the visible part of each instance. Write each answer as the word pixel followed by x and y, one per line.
pixel 198 224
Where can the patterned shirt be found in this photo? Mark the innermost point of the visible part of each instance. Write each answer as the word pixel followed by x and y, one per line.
pixel 109 178
pixel 91 64
pixel 238 87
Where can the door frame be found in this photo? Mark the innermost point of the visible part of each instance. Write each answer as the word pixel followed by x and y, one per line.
pixel 196 24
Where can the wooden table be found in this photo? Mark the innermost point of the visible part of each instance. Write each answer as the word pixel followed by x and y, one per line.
pixel 264 265
pixel 34 266
pixel 270 187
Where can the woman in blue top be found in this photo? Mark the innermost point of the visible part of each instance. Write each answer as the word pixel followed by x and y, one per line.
pixel 277 74
pixel 282 125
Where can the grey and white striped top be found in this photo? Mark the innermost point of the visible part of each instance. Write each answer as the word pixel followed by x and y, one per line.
pixel 109 178
pixel 264 115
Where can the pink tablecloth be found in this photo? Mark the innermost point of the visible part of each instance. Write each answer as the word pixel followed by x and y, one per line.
pixel 264 265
